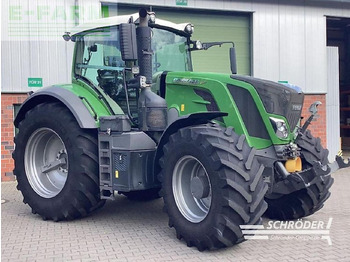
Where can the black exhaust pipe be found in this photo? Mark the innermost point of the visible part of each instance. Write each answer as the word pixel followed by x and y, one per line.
pixel 152 108
pixel 143 33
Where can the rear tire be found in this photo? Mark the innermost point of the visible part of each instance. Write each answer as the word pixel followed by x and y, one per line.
pixel 304 202
pixel 56 164
pixel 211 184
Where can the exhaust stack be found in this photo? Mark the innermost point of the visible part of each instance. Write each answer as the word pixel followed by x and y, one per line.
pixel 152 109
pixel 143 33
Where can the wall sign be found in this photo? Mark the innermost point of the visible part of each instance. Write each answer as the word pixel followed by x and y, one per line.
pixel 35 82
pixel 181 2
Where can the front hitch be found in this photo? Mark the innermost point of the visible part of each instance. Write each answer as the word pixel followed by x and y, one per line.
pixel 313 110
pixel 317 173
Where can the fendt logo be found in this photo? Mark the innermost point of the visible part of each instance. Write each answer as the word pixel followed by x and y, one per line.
pixel 304 230
pixel 296 107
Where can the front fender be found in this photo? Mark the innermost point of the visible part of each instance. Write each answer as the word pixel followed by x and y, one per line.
pixel 84 116
pixel 181 122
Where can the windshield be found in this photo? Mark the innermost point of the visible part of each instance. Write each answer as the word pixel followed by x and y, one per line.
pixel 98 53
pixel 98 58
pixel 170 51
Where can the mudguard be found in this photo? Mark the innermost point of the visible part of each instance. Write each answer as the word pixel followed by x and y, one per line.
pixel 69 99
pixel 181 122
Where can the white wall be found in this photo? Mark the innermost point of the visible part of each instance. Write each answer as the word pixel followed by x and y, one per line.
pixel 32 43
pixel 332 102
pixel 295 42
pixel 288 40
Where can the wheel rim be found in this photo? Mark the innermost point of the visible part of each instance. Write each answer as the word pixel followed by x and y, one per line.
pixel 46 162
pixel 191 188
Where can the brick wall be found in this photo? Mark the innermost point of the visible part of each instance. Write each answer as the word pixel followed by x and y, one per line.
pixel 318 126
pixel 7 133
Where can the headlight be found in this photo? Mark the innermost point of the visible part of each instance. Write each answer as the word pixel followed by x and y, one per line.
pixel 152 17
pixel 280 127
pixel 198 45
pixel 189 28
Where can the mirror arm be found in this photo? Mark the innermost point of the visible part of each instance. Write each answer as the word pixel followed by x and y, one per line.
pixel 211 44
pixel 206 46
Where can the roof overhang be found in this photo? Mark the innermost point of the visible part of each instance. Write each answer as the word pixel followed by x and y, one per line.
pixel 117 20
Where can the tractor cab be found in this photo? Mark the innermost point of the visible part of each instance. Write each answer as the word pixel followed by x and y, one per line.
pixel 99 59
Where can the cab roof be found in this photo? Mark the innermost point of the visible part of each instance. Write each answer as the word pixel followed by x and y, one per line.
pixel 117 20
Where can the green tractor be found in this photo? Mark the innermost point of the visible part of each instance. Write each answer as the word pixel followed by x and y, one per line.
pixel 222 150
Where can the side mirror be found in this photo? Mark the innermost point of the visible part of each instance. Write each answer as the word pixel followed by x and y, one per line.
pixel 128 46
pixel 233 61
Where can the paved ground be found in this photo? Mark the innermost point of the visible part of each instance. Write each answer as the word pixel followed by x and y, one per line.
pixel 134 231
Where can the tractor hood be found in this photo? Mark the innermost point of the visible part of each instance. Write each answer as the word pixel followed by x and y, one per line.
pixel 253 105
pixel 277 99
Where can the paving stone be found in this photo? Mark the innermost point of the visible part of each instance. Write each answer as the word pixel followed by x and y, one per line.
pixel 138 231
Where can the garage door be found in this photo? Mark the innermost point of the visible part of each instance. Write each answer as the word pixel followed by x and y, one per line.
pixel 209 27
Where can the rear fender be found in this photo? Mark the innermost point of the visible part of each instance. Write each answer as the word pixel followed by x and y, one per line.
pixel 56 94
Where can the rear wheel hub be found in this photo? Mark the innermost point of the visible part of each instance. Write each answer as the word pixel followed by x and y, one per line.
pixel 46 162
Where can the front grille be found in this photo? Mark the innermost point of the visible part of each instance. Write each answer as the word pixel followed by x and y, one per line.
pixel 293 113
pixel 249 112
pixel 277 98
pixel 293 118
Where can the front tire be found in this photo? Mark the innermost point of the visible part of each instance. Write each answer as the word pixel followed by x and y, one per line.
pixel 56 164
pixel 307 201
pixel 211 184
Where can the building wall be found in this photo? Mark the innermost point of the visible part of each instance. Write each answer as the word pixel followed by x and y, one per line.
pixel 7 133
pixel 32 44
pixel 318 126
pixel 332 98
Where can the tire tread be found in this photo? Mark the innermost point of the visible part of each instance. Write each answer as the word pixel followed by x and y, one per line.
pixel 246 185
